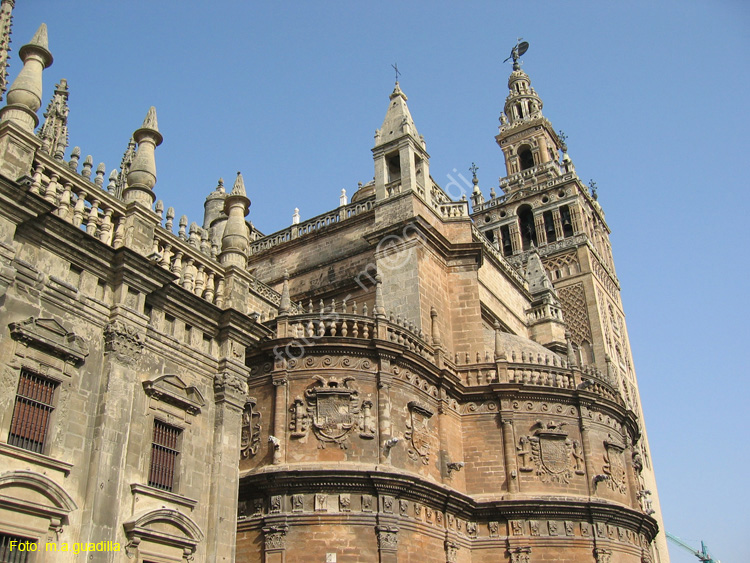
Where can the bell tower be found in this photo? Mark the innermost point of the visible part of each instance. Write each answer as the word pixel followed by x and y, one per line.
pixel 546 212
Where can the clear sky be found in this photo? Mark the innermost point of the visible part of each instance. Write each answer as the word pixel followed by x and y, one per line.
pixel 653 97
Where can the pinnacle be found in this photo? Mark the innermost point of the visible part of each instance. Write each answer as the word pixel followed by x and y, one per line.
pixel 397 92
pixel 40 37
pixel 150 121
pixel 239 186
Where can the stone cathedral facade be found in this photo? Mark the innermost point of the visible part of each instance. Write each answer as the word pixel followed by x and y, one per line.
pixel 404 378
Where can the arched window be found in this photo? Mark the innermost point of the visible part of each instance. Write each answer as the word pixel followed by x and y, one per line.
pixel 525 157
pixel 505 236
pixel 567 225
pixel 526 224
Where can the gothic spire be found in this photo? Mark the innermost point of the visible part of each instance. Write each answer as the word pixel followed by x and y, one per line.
pixel 25 94
pixel 398 121
pixel 142 174
pixel 54 132
pixel 6 21
pixel 536 275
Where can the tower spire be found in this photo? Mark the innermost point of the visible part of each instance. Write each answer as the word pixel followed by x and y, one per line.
pixel 401 161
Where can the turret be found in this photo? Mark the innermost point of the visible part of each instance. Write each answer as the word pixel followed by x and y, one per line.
pixel 213 213
pixel 401 161
pixel 236 238
pixel 142 174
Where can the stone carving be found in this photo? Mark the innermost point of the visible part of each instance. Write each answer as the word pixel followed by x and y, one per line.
pixel 418 433
pixel 451 551
pixel 300 420
pixel 388 505
pixel 551 452
pixel 403 507
pixel 603 555
pixel 367 421
pixel 516 527
pixel 519 554
pixel 250 434
pixel 614 466
pixel 345 502
pixel 123 342
pixel 471 529
pixel 534 527
pixel 417 510
pixel 297 503
pixel 51 336
pixel 439 517
pixel 321 502
pixel 494 529
pixel 601 530
pixel 569 530
pixel 387 538
pixel 275 503
pixel 227 381
pixel 332 407
pixel 552 526
pixel 585 529
pixel 428 514
pixel 257 506
pixel 366 503
pixel 275 537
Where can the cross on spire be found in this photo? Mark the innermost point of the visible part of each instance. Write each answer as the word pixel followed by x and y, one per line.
pixel 473 169
pixel 398 73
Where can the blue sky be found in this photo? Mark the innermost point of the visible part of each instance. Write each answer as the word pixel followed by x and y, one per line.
pixel 652 96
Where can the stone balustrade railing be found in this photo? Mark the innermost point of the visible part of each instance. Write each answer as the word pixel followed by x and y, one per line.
pixel 328 322
pixel 310 226
pixel 97 210
pixel 80 201
pixel 454 209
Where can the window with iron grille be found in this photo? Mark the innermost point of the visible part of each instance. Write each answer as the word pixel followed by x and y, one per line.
pixel 9 553
pixel 32 412
pixel 165 448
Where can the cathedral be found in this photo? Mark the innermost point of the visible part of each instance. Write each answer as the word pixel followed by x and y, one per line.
pixel 407 377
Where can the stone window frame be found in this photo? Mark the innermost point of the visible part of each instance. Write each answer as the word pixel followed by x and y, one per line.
pixel 139 529
pixel 45 348
pixel 57 510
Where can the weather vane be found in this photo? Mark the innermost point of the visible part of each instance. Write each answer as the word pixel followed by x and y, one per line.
pixel 395 67
pixel 515 53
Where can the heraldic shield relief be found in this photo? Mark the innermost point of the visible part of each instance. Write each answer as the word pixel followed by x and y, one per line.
pixel 614 465
pixel 551 451
pixel 418 432
pixel 333 408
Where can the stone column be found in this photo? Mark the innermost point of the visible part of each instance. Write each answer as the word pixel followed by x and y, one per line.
pixel 587 455
pixel 575 218
pixel 515 238
pixel 387 543
pixel 509 454
pixel 281 400
pixel 557 220
pixel 123 345
pixel 541 233
pixel 274 537
pixel 230 396
pixel 384 410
